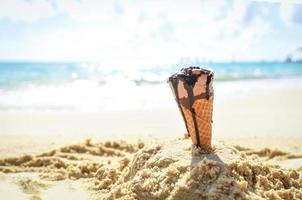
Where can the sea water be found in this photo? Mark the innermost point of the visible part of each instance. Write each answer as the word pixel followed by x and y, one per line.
pixel 74 86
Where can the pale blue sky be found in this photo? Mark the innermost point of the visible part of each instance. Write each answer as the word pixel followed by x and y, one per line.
pixel 140 32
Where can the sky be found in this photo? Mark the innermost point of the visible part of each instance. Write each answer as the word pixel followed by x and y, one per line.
pixel 133 33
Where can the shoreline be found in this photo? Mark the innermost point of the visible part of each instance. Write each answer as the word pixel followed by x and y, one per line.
pixel 88 96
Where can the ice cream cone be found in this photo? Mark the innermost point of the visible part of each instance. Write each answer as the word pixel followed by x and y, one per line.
pixel 193 91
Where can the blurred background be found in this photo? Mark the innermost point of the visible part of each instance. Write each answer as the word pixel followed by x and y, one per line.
pixel 90 68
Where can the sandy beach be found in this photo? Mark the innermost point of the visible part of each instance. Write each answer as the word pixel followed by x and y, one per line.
pixel 257 152
pixel 88 90
pixel 157 170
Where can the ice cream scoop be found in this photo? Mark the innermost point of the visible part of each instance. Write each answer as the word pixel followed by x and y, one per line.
pixel 193 91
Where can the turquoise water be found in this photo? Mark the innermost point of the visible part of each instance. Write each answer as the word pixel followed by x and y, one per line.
pixel 18 74
pixel 69 87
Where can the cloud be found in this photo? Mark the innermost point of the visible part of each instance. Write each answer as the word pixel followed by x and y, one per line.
pixel 28 11
pixel 89 10
pixel 142 33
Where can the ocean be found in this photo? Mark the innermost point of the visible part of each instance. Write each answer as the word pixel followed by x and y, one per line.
pixel 74 86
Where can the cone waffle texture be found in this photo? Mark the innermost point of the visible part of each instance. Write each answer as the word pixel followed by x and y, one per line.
pixel 203 109
pixel 197 111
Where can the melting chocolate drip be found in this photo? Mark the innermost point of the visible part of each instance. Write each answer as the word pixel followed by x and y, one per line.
pixel 191 80
pixel 209 78
pixel 189 89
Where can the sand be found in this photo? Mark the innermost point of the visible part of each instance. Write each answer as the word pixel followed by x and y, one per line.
pixel 257 152
pixel 154 170
pixel 273 113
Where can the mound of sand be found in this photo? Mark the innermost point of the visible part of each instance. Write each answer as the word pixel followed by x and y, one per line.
pixel 172 170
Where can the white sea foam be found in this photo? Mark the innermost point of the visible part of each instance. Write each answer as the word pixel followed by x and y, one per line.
pixel 121 94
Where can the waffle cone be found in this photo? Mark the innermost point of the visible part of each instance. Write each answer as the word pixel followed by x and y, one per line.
pixel 195 102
